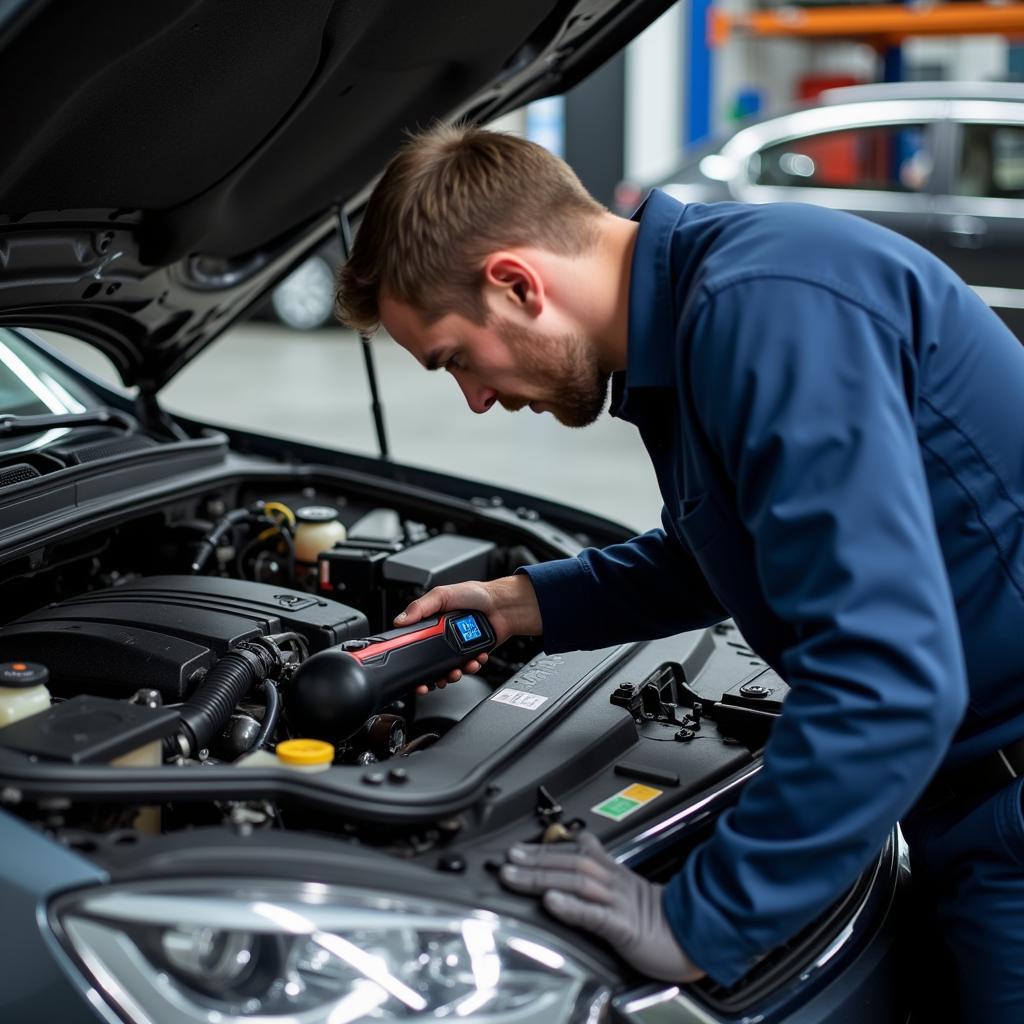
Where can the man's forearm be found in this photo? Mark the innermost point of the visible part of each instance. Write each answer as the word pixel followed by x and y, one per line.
pixel 645 588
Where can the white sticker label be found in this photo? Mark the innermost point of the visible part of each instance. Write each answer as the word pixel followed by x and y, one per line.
pixel 519 699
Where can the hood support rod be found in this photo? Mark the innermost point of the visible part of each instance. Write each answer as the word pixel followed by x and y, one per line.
pixel 345 238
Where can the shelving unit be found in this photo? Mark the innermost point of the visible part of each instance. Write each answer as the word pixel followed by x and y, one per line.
pixel 882 24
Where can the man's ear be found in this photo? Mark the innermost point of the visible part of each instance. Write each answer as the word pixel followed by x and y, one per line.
pixel 514 282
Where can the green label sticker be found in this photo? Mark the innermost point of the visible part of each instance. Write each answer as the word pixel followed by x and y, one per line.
pixel 616 808
pixel 626 801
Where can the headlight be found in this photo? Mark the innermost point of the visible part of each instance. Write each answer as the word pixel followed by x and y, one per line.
pixel 278 953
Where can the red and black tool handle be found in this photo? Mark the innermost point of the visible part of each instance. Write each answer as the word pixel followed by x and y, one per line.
pixel 336 691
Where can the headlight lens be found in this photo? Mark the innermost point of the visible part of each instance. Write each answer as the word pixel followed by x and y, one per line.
pixel 221 952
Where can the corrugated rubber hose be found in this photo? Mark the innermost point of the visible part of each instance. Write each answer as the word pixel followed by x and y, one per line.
pixel 205 714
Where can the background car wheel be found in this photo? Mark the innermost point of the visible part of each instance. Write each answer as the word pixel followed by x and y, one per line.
pixel 304 300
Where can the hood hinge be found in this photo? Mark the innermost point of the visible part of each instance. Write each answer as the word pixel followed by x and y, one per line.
pixel 154 420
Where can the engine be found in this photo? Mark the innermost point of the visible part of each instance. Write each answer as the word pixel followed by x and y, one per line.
pixel 193 658
pixel 206 655
pixel 165 633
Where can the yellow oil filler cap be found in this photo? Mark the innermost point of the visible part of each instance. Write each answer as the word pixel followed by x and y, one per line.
pixel 305 753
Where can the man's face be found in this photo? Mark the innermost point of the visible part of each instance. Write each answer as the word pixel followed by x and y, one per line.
pixel 505 363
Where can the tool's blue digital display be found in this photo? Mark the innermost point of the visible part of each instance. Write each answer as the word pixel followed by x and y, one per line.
pixel 468 628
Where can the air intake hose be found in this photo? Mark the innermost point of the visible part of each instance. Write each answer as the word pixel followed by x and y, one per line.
pixel 205 714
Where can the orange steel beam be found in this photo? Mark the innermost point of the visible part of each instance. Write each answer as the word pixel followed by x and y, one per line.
pixel 894 22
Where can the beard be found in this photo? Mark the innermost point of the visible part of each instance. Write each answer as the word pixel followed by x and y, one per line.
pixel 576 387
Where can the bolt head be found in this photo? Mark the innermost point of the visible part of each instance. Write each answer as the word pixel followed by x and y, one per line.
pixel 451 862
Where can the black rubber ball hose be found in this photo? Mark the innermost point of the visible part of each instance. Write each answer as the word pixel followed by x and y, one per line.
pixel 205 714
pixel 332 697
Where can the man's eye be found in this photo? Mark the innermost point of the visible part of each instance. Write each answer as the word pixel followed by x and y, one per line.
pixel 453 364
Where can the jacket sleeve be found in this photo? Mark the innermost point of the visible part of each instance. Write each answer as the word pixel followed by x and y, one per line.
pixel 806 399
pixel 646 588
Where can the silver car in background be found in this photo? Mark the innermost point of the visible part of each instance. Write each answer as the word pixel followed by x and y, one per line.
pixel 939 162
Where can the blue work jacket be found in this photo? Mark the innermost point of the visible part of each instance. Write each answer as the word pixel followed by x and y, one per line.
pixel 835 422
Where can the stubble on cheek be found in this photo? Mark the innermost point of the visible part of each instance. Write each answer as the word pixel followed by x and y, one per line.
pixel 565 373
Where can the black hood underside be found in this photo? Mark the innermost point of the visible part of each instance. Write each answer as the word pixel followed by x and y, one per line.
pixel 166 163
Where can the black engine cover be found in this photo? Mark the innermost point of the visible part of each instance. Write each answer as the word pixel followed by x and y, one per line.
pixel 164 632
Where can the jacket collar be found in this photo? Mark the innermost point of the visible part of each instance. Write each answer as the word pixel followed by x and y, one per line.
pixel 652 319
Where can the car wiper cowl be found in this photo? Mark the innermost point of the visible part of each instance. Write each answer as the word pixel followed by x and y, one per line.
pixel 13 426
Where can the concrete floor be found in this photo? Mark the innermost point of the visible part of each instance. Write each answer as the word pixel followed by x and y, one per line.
pixel 312 386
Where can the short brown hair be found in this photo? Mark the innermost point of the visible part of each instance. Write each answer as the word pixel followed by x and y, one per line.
pixel 450 196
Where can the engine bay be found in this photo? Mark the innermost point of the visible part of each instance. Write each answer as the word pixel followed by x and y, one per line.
pixel 172 643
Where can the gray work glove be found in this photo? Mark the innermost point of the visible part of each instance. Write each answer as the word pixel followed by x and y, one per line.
pixel 582 886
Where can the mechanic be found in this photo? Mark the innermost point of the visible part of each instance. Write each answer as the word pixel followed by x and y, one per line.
pixel 834 421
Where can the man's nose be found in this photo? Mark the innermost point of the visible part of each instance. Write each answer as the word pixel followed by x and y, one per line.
pixel 478 398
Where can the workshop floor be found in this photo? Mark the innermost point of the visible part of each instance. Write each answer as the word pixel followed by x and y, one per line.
pixel 312 386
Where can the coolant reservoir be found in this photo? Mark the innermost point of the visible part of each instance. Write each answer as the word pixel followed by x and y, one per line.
pixel 257 759
pixel 296 755
pixel 317 529
pixel 23 690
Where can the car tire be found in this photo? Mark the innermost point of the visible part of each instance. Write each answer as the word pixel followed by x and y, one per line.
pixel 304 300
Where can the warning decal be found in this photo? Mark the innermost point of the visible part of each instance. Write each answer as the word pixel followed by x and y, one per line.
pixel 519 699
pixel 626 801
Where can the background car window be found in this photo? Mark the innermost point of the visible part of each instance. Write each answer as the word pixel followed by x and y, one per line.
pixel 991 161
pixel 893 158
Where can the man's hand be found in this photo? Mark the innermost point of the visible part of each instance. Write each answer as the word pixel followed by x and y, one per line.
pixel 510 603
pixel 581 885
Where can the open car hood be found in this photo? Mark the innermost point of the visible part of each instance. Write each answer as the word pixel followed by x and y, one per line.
pixel 164 164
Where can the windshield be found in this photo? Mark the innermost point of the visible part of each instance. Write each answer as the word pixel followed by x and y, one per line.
pixel 32 384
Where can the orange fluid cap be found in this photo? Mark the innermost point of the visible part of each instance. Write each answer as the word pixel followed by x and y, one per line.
pixel 305 752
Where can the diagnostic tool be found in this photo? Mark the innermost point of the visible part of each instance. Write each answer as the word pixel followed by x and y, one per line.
pixel 337 690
